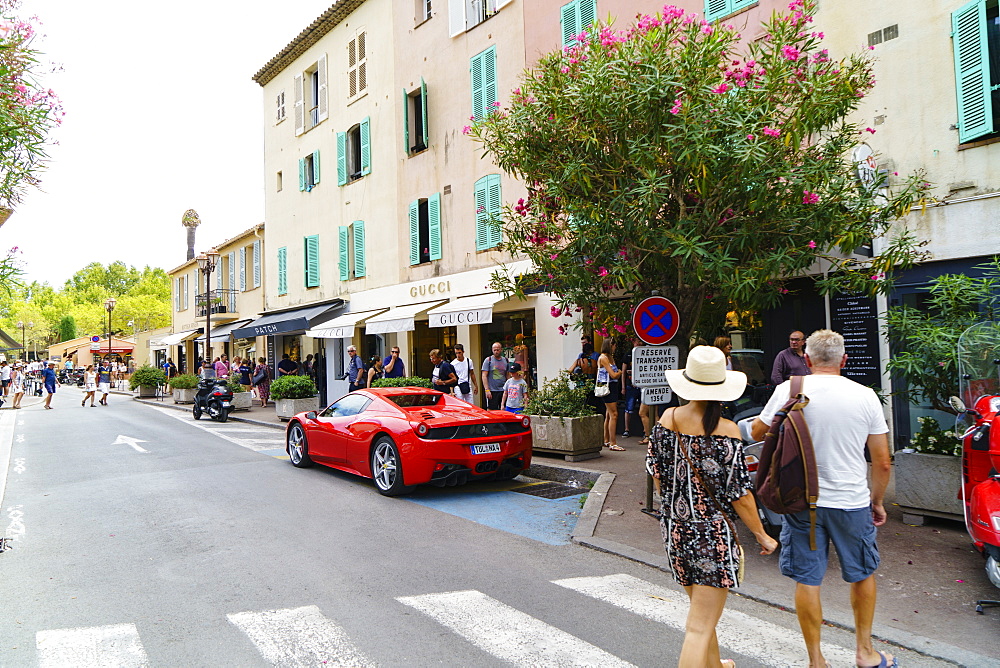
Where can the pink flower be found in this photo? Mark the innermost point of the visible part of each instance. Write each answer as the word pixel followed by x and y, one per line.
pixel 553 256
pixel 772 132
pixel 751 137
pixel 723 87
pixel 466 130
pixel 621 329
pixel 809 198
pixel 562 330
pixel 870 130
pixel 790 52
pixel 564 70
pixel 811 244
pixel 601 271
pixel 555 311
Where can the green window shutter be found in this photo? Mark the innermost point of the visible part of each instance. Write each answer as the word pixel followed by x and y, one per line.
pixel 489 79
pixel 568 20
pixel 423 111
pixel 406 122
pixel 256 263
pixel 283 270
pixel 717 8
pixel 493 204
pixel 972 71
pixel 302 174
pixel 315 167
pixel 742 4
pixel 312 261
pixel 476 67
pixel 415 233
pixel 482 215
pixel 359 248
pixel 343 252
pixel 434 225
pixel 341 158
pixel 243 269
pixel 366 149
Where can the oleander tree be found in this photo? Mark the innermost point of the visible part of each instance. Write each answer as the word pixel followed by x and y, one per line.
pixel 672 156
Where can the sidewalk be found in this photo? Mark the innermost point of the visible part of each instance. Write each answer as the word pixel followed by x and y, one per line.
pixel 929 578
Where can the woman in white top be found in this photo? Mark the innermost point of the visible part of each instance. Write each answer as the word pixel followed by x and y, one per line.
pixel 89 384
pixel 17 385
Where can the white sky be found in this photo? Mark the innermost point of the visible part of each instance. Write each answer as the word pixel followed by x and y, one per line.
pixel 161 116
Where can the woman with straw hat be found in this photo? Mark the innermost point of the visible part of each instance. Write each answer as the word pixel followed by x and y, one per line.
pixel 696 460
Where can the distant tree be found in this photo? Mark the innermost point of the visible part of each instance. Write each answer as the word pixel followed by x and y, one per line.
pixel 669 157
pixel 67 328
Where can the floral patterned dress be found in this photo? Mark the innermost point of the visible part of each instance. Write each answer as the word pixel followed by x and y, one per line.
pixel 700 543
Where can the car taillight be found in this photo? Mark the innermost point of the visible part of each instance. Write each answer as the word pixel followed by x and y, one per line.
pixel 526 421
pixel 751 463
pixel 422 429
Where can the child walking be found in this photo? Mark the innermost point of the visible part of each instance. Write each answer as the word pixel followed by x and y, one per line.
pixel 515 390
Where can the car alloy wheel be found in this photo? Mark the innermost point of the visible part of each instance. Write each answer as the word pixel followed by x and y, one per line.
pixel 298 452
pixel 387 470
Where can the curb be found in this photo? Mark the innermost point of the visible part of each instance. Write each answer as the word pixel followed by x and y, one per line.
pixel 583 534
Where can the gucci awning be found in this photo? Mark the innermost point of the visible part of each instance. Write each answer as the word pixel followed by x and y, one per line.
pixel 341 327
pixel 398 318
pixel 288 320
pixel 475 310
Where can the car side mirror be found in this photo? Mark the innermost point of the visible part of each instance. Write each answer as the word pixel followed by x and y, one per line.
pixel 311 415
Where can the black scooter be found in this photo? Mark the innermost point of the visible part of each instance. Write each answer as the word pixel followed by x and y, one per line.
pixel 214 398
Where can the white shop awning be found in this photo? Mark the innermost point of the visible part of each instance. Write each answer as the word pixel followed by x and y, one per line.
pixel 342 327
pixel 475 310
pixel 222 332
pixel 398 318
pixel 179 337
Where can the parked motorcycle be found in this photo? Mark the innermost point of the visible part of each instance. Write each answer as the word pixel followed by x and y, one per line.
pixel 979 426
pixel 214 398
pixel 751 449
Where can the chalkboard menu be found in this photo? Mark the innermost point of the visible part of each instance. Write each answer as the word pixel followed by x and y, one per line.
pixel 856 318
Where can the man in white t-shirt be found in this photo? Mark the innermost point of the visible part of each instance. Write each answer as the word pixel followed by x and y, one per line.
pixel 843 417
pixel 466 376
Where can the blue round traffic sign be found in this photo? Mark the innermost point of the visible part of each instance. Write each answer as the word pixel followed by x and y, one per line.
pixel 656 320
pixel 95 339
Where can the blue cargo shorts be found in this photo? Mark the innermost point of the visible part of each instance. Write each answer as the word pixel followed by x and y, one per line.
pixel 633 399
pixel 852 533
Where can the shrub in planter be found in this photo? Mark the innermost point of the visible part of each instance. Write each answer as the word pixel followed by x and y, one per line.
pixel 562 422
pixel 292 387
pixel 562 396
pixel 147 376
pixel 187 381
pixel 406 381
pixel 235 386
pixel 933 440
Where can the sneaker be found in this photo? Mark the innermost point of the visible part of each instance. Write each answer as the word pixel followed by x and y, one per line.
pixel 625 434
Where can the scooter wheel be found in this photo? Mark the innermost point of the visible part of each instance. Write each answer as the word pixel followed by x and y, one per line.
pixel 196 410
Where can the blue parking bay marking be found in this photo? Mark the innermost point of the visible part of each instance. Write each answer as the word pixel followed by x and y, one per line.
pixel 546 520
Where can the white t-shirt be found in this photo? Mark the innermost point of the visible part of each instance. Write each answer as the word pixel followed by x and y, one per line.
pixel 462 369
pixel 841 415
pixel 4 372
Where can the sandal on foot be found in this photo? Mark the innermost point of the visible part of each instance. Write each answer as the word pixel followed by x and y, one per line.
pixel 884 662
pixel 728 663
pixel 616 447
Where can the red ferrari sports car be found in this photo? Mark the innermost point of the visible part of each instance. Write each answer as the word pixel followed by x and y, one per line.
pixel 406 436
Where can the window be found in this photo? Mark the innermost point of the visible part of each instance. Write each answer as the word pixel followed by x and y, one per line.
pixel 180 293
pixel 283 270
pixel 415 119
pixel 357 67
pixel 425 230
pixel 278 182
pixel 243 269
pixel 311 103
pixel 281 107
pixel 487 212
pixel 309 172
pixel 484 82
pixel 467 14
pixel 354 153
pixel 351 247
pixel 715 9
pixel 311 261
pixel 575 18
pixel 423 10
pixel 976 41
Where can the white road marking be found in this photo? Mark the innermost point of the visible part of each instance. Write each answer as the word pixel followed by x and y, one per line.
pixel 116 645
pixel 20 438
pixel 19 465
pixel 771 644
pixel 299 637
pixel 507 633
pixel 128 440
pixel 6 443
pixel 16 528
pixel 250 444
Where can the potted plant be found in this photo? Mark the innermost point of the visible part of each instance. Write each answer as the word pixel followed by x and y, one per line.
pixel 183 388
pixel 561 421
pixel 293 394
pixel 408 381
pixel 242 397
pixel 929 474
pixel 146 378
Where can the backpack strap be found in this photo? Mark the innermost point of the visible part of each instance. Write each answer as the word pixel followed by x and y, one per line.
pixel 797 421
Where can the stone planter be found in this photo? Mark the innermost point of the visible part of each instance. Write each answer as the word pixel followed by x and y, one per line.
pixel 286 408
pixel 575 438
pixel 242 401
pixel 928 485
pixel 184 396
pixel 144 392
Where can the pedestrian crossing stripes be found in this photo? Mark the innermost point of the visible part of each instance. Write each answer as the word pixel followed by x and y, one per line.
pixel 303 636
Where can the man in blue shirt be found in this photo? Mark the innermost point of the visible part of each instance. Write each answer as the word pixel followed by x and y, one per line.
pixel 392 365
pixel 50 380
pixel 355 370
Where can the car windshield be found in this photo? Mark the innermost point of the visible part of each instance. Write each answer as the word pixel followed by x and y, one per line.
pixel 414 400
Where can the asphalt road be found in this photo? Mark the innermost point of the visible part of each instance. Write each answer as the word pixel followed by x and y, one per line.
pixel 140 537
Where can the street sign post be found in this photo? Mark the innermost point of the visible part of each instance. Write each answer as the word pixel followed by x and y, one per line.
pixel 656 320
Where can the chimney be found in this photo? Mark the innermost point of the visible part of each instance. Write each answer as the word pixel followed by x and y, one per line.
pixel 191 221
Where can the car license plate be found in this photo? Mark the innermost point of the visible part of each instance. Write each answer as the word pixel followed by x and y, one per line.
pixel 485 448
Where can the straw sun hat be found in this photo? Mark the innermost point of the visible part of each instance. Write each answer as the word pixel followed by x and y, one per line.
pixel 706 378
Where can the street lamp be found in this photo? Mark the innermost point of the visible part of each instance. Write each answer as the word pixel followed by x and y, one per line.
pixel 109 305
pixel 206 263
pixel 21 325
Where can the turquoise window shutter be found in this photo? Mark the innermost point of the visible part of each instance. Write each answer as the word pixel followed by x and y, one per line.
pixel 359 248
pixel 423 111
pixel 406 122
pixel 568 21
pixel 742 4
pixel 493 204
pixel 366 149
pixel 717 8
pixel 972 71
pixel 482 215
pixel 283 270
pixel 586 13
pixel 343 252
pixel 315 167
pixel 476 67
pixel 434 225
pixel 415 232
pixel 256 264
pixel 302 174
pixel 341 158
pixel 312 261
pixel 489 79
